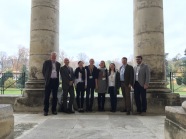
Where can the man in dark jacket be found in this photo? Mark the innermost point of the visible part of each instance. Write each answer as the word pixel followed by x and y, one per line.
pixel 67 76
pixel 51 75
pixel 127 80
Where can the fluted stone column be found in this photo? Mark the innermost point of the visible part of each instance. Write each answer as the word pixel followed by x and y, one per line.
pixel 149 40
pixel 44 39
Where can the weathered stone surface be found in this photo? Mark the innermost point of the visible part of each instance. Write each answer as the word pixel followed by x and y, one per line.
pixel 6 122
pixel 149 39
pixel 8 99
pixel 156 102
pixel 93 125
pixel 44 39
pixel 44 36
pixel 184 105
pixel 32 100
pixel 175 123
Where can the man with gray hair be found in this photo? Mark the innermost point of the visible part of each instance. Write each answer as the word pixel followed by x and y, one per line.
pixel 51 75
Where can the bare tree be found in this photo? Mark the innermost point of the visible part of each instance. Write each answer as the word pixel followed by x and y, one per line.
pixel 3 57
pixel 117 63
pixel 131 60
pixel 82 56
pixel 16 62
pixel 62 56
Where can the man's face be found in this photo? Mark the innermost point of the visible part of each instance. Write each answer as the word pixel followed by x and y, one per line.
pixel 138 60
pixel 124 61
pixel 53 57
pixel 66 61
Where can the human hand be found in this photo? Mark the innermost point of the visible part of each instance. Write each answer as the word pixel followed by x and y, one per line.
pixel 145 86
pixel 71 83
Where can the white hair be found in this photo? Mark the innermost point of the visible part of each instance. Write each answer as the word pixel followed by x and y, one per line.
pixel 53 53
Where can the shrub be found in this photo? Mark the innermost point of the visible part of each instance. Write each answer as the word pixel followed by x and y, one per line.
pixel 179 80
pixel 184 81
pixel 9 83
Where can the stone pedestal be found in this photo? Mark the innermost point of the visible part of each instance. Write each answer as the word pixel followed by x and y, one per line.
pixel 6 122
pixel 175 122
pixel 44 39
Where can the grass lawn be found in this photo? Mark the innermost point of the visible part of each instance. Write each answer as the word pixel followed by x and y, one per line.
pixel 177 89
pixel 181 89
pixel 12 91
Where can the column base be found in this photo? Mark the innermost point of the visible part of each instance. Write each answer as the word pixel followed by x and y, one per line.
pixel 156 102
pixel 32 99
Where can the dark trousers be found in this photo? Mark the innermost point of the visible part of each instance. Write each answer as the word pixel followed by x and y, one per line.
pixel 140 97
pixel 51 87
pixel 80 92
pixel 101 101
pixel 70 90
pixel 126 96
pixel 113 97
pixel 89 98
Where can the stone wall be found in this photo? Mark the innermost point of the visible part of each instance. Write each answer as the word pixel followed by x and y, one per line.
pixel 6 122
pixel 8 99
pixel 175 122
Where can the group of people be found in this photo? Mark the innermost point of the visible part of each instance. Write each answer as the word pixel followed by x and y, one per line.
pixel 91 79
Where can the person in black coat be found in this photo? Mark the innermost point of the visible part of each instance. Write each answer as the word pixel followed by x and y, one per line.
pixel 91 74
pixel 80 81
pixel 51 75
pixel 67 76
pixel 127 81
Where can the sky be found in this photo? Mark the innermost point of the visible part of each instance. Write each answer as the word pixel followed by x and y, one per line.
pixel 102 29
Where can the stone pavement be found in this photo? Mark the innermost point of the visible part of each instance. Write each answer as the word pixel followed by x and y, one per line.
pixel 88 126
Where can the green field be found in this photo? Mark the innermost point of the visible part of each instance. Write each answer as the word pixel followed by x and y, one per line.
pixel 181 89
pixel 14 91
pixel 11 91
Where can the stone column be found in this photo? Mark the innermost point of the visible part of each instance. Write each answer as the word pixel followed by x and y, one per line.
pixel 149 40
pixel 44 39
pixel 149 43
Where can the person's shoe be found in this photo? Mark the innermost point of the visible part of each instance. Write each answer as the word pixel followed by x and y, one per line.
pixel 90 109
pixel 128 113
pixel 112 111
pixel 123 110
pixel 137 113
pixel 54 112
pixel 71 111
pixel 82 110
pixel 143 114
pixel 45 114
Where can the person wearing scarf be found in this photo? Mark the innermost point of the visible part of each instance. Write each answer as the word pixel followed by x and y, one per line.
pixel 102 83
pixel 91 74
pixel 80 81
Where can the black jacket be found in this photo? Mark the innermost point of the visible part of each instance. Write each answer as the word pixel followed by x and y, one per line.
pixel 128 75
pixel 67 75
pixel 47 70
